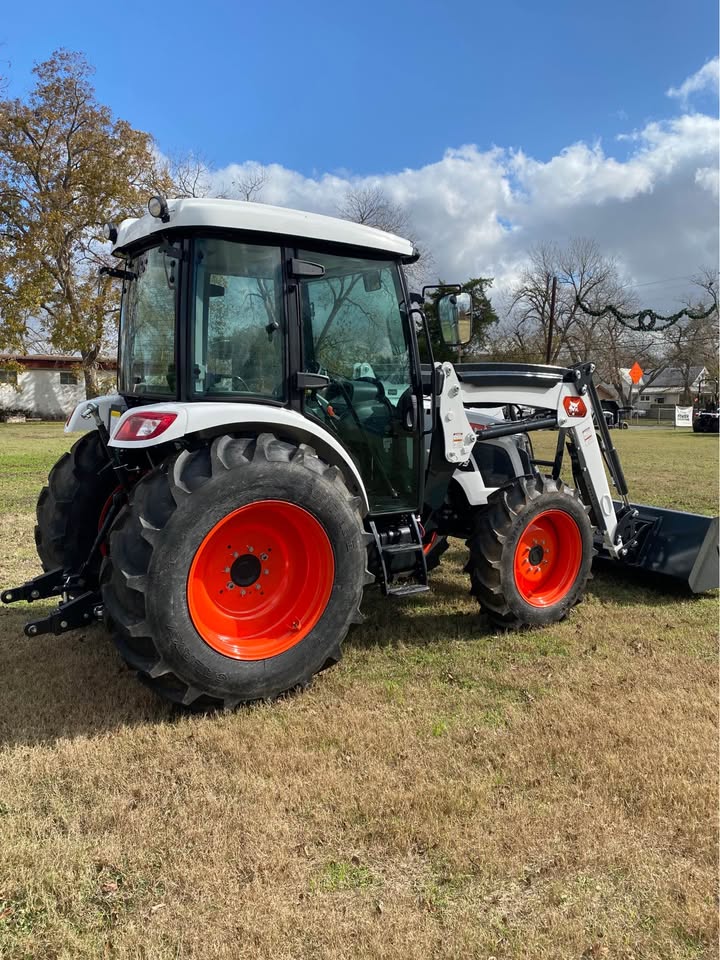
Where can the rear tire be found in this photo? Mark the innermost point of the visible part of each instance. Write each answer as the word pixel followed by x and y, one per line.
pixel 70 506
pixel 530 553
pixel 235 513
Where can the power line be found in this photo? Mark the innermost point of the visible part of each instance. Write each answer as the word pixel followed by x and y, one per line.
pixel 651 283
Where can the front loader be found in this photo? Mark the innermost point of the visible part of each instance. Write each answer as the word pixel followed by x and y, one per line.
pixel 276 445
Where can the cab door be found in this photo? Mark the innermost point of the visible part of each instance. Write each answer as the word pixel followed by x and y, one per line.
pixel 355 332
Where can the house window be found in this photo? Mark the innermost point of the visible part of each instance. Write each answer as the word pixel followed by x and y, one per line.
pixel 645 398
pixel 8 376
pixel 659 399
pixel 68 379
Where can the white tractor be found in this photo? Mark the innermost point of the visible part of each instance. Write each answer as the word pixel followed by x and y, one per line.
pixel 276 446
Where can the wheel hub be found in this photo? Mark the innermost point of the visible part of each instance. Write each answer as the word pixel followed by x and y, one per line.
pixel 536 554
pixel 245 570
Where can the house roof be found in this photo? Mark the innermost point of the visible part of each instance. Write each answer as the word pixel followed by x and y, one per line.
pixel 672 377
pixel 52 361
pixel 262 218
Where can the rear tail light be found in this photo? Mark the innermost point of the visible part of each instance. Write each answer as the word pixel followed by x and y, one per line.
pixel 144 426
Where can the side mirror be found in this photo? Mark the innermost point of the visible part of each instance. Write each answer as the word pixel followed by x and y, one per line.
pixel 455 315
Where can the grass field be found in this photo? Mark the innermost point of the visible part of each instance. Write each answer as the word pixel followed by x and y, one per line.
pixel 444 792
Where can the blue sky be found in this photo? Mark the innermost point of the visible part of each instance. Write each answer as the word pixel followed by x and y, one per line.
pixel 372 87
pixel 497 126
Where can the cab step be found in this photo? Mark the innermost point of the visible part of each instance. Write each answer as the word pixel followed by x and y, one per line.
pixel 418 571
pixel 407 590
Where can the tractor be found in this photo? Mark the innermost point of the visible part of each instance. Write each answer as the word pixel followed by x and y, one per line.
pixel 276 445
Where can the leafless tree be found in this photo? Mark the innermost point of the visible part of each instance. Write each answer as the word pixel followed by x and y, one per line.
pixel 191 177
pixel 251 184
pixel 583 275
pixel 373 208
pixel 369 205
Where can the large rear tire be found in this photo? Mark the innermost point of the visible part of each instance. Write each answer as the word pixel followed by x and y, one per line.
pixel 530 553
pixel 235 572
pixel 70 507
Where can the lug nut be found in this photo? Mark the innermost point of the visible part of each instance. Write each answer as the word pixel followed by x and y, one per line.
pixel 35 594
pixel 230 585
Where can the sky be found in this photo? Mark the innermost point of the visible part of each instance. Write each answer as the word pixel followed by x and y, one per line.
pixel 498 126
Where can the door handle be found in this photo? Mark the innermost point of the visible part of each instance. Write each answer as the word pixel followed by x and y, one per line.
pixel 410 414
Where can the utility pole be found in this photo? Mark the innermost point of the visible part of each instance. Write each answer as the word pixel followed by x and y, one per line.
pixel 552 320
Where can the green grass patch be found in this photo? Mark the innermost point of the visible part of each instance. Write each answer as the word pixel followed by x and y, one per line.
pixel 339 875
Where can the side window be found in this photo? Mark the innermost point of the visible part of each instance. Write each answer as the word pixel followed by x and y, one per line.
pixel 238 323
pixel 148 326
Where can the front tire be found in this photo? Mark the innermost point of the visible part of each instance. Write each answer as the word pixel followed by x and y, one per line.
pixel 530 553
pixel 235 572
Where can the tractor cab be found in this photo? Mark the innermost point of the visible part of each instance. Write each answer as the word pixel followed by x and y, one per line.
pixel 319 325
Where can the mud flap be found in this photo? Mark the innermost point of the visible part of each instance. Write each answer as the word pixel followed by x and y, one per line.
pixel 670 543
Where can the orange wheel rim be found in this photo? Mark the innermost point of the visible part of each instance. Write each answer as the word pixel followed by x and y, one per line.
pixel 260 580
pixel 548 558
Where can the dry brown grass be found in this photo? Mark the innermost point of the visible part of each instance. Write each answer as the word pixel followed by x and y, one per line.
pixel 446 792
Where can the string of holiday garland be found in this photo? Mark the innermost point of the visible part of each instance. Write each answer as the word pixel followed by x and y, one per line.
pixel 646 319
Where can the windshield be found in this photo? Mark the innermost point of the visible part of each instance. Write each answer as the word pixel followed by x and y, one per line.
pixel 238 325
pixel 147 325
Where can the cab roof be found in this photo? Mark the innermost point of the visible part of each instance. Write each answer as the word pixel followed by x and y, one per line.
pixel 261 218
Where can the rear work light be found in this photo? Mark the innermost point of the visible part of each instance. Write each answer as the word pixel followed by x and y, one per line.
pixel 144 426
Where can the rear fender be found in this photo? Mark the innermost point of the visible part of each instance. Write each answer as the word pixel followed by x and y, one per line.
pixel 217 418
pixel 109 407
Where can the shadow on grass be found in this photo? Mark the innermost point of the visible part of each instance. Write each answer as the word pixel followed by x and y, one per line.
pixel 66 687
pixel 77 686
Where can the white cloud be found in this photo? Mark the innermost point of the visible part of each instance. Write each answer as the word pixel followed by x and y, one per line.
pixel 706 79
pixel 709 178
pixel 479 212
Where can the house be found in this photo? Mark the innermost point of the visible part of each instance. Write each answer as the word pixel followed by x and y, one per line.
pixel 671 386
pixel 44 386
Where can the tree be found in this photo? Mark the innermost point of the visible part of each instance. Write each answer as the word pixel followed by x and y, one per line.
pixel 371 207
pixel 583 274
pixel 251 184
pixel 191 177
pixel 66 165
pixel 693 341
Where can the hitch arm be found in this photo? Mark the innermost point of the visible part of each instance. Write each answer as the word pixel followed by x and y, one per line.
pixel 50 584
pixel 78 612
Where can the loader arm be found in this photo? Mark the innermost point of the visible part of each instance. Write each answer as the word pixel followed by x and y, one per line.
pixel 571 403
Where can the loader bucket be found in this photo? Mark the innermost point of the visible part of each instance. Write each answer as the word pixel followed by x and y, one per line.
pixel 682 547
